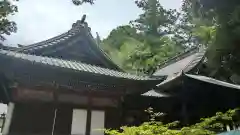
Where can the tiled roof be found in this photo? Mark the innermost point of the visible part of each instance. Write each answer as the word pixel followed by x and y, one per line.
pixel 47 43
pixel 79 31
pixel 198 58
pixel 178 57
pixel 170 82
pixel 213 81
pixel 73 65
pixel 177 69
pixel 4 47
pixel 185 63
pixel 170 79
pixel 77 28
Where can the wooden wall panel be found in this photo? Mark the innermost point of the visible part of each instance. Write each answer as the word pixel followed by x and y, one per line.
pixel 34 95
pixel 32 119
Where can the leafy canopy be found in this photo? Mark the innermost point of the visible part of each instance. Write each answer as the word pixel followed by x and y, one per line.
pixel 146 41
pixel 220 23
pixel 7 26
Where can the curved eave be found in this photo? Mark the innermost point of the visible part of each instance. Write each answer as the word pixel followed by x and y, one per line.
pixel 168 86
pixel 65 40
pixel 213 81
pixel 46 43
pixel 177 82
pixel 30 64
pixel 10 48
pixel 174 80
pixel 183 64
pixel 199 57
pixel 178 57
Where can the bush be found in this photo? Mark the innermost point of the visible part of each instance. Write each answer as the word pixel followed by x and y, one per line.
pixel 207 126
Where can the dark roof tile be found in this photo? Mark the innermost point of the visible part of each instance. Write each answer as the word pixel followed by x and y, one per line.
pixel 213 81
pixel 78 66
pixel 46 43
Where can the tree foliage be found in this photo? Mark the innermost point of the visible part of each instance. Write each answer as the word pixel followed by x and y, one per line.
pixel 207 126
pixel 155 20
pixel 223 51
pixel 80 2
pixel 7 26
pixel 146 41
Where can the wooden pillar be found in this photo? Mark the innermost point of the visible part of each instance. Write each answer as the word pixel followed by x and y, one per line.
pixel 89 114
pixel 121 109
pixel 88 124
pixel 8 120
pixel 55 106
pixel 184 101
pixel 184 113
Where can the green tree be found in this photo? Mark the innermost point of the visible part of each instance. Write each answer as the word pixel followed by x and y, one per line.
pixel 156 25
pixel 193 27
pixel 146 41
pixel 118 36
pixel 223 53
pixel 7 26
pixel 155 20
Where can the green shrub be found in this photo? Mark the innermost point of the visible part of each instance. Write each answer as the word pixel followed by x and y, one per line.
pixel 208 126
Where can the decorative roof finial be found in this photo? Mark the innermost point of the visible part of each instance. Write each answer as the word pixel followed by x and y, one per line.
pixel 83 19
pixel 80 23
pixel 98 39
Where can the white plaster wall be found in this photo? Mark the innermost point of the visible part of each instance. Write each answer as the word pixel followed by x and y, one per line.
pixel 79 121
pixel 97 122
pixel 7 123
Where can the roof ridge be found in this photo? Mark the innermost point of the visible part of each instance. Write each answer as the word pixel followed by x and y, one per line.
pixel 7 47
pixel 197 59
pixel 41 43
pixel 178 57
pixel 74 30
pixel 80 26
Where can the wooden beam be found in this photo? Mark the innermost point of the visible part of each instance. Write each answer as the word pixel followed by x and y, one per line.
pixel 25 94
pixel 98 91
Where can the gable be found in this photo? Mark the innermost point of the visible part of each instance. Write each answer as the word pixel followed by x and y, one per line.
pixel 76 44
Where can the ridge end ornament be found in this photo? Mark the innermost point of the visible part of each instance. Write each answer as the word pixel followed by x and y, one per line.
pixel 80 23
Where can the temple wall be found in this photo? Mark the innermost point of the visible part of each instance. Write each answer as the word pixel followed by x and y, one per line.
pixel 31 119
pixel 45 119
pixel 97 122
pixel 38 119
pixel 79 121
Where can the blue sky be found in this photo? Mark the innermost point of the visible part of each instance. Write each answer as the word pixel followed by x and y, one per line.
pixel 41 19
